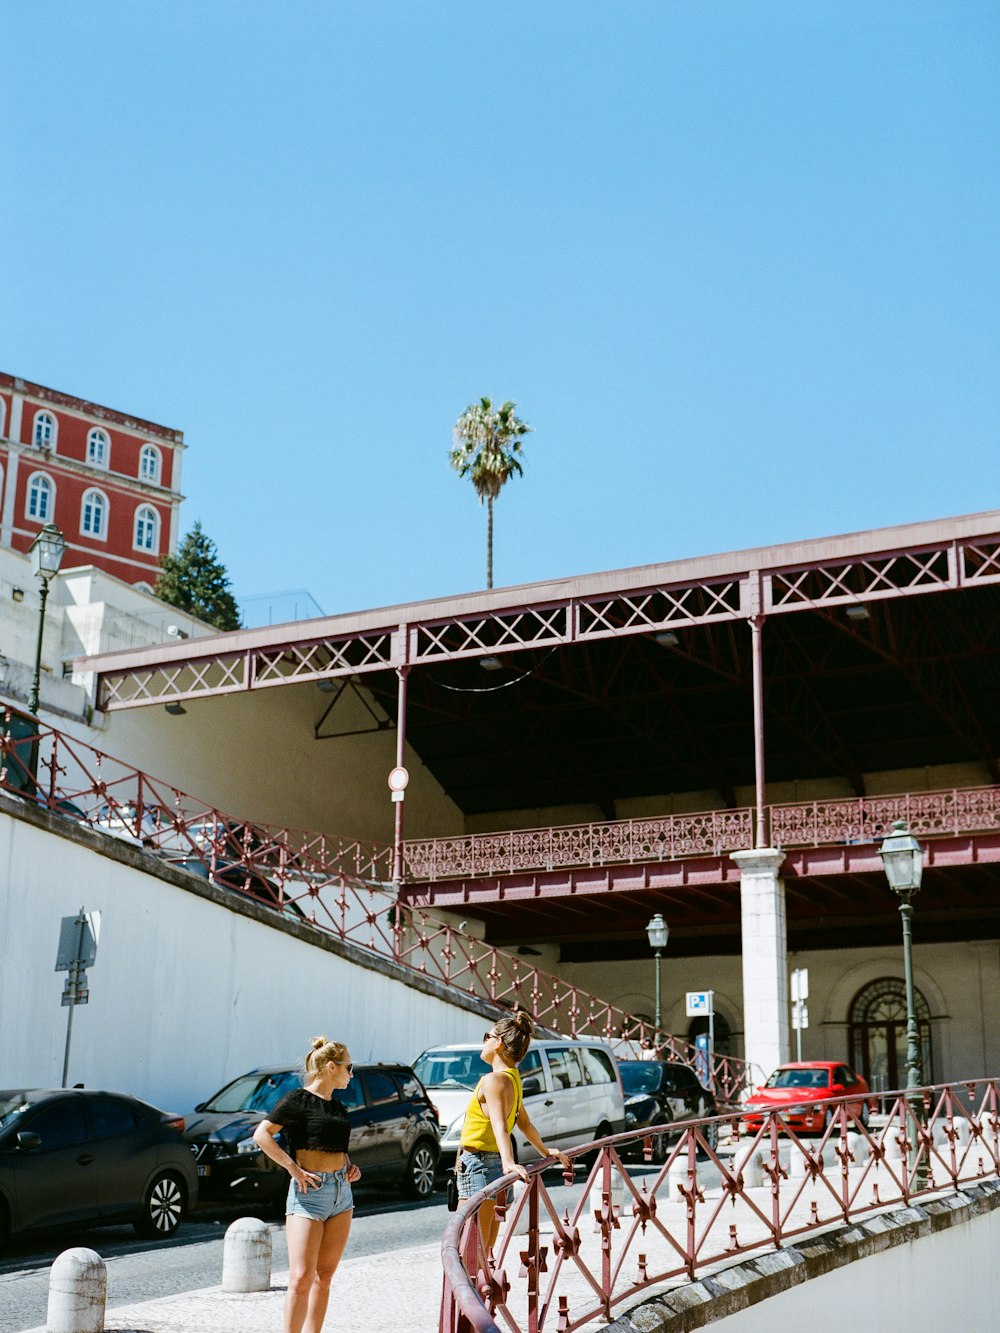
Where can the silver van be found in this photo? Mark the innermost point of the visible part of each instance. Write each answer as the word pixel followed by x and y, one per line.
pixel 572 1092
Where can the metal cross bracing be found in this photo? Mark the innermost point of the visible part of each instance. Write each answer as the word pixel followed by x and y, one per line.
pixel 720 1192
pixel 868 567
pixel 338 885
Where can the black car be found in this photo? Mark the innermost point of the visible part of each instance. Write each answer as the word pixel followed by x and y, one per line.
pixel 78 1157
pixel 659 1092
pixel 395 1137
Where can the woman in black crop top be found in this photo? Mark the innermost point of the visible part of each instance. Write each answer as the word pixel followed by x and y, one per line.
pixel 320 1205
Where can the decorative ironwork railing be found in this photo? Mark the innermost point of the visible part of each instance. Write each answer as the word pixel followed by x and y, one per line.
pixel 339 885
pixel 620 842
pixel 869 818
pixel 561 1263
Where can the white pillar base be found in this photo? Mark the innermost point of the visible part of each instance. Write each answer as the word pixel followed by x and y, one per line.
pixel 765 960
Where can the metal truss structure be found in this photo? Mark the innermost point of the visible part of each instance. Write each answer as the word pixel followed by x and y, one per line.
pixel 631 1229
pixel 746 586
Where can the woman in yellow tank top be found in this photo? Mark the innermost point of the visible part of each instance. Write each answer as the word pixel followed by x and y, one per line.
pixel 496 1106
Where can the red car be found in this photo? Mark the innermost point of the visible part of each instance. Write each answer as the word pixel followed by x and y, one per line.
pixel 800 1093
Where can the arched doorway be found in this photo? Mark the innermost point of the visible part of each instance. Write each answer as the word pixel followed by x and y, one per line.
pixel 877 1034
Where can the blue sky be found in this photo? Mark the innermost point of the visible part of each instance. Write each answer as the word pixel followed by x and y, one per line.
pixel 736 263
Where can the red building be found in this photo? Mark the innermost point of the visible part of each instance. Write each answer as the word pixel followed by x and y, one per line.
pixel 109 481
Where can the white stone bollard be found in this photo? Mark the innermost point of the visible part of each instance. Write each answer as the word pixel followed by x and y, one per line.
pixel 679 1177
pixel 78 1291
pixel 857 1146
pixel 617 1195
pixel 796 1163
pixel 749 1161
pixel 246 1256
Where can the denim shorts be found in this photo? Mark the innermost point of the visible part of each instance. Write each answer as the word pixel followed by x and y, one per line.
pixel 324 1201
pixel 476 1170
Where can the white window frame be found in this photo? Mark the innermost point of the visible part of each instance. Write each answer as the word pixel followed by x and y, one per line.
pixel 154 522
pixel 3 418
pixel 96 437
pixel 152 475
pixel 50 493
pixel 42 415
pixel 101 535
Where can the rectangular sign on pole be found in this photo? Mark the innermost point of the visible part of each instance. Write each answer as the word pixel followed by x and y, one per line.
pixel 800 983
pixel 800 1015
pixel 699 1003
pixel 78 937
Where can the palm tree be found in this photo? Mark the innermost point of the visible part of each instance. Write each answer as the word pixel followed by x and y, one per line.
pixel 487 443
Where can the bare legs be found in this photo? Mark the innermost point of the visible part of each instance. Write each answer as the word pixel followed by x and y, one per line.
pixel 314 1251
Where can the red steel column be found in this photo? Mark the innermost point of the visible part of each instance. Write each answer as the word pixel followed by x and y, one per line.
pixel 397 839
pixel 756 626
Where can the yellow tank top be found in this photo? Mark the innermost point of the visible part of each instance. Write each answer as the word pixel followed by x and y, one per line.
pixel 477 1132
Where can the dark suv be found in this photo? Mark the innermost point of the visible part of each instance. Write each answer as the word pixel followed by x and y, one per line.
pixel 658 1092
pixel 395 1137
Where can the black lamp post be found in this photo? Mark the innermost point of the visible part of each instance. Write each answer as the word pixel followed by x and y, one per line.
pixel 46 551
pixel 658 932
pixel 903 862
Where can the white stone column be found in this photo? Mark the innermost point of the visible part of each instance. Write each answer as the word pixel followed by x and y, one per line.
pixel 765 960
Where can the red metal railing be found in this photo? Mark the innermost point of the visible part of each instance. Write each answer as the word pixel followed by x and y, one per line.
pixel 620 842
pixel 631 1229
pixel 339 885
pixel 869 818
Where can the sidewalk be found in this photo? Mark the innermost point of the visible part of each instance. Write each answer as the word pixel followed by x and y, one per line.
pixel 395 1292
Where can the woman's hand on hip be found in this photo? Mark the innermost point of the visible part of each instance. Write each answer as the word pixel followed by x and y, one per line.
pixel 353 1174
pixel 306 1180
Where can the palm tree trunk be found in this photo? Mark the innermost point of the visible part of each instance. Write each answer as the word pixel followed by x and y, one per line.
pixel 489 541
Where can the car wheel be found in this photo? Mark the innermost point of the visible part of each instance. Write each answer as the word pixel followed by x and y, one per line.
pixel 661 1146
pixel 163 1209
pixel 864 1114
pixel 418 1182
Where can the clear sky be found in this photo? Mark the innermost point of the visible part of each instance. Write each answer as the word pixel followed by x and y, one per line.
pixel 737 263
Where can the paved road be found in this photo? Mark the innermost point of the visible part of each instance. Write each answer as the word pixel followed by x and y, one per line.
pixel 138 1271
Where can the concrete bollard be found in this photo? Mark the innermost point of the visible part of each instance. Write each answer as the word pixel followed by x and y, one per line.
pixel 680 1177
pixel 617 1195
pixel 748 1160
pixel 246 1256
pixel 78 1292
pixel 857 1145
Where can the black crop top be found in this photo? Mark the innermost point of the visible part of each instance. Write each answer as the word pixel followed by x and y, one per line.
pixel 309 1121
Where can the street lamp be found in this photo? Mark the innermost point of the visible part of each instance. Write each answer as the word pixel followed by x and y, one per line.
pixel 903 862
pixel 46 551
pixel 658 932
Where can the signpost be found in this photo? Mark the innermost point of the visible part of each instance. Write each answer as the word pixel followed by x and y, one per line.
pixel 701 1004
pixel 800 1012
pixel 78 936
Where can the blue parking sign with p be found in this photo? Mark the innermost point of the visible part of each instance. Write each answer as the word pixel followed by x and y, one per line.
pixel 699 1003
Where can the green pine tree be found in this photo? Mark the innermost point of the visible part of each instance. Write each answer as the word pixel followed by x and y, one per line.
pixel 195 580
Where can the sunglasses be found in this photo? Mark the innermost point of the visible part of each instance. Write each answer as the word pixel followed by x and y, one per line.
pixel 346 1064
pixel 490 1036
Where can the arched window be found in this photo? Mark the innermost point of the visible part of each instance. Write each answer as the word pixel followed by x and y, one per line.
pixel 94 514
pixel 147 529
pixel 43 435
pixel 98 448
pixel 149 463
pixel 877 1034
pixel 41 498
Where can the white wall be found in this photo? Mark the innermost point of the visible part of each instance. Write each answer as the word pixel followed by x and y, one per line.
pixel 185 993
pixel 947 1280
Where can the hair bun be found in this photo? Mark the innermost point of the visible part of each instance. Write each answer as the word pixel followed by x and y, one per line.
pixel 318 1042
pixel 524 1022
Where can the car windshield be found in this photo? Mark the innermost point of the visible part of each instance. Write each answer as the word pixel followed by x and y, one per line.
pixel 798 1078
pixel 449 1069
pixel 255 1092
pixel 11 1106
pixel 639 1076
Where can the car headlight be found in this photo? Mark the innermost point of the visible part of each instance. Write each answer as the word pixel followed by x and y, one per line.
pixel 247 1146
